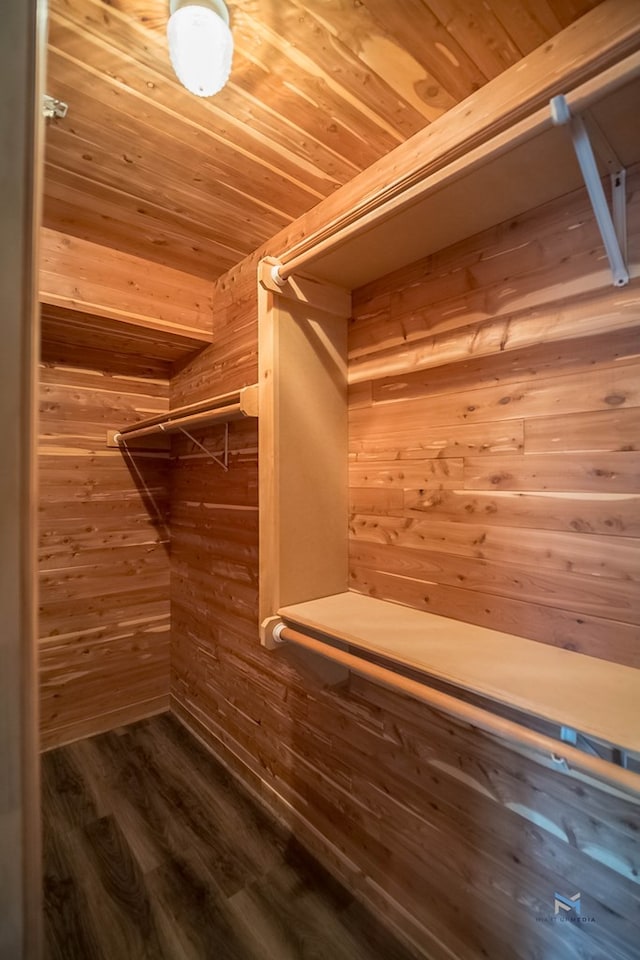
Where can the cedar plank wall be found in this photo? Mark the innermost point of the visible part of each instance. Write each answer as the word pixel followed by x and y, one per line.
pixel 104 552
pixel 495 472
pixel 453 837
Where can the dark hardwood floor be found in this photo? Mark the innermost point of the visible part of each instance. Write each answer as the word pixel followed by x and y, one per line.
pixel 152 850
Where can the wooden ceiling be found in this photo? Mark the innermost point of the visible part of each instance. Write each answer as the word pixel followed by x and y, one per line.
pixel 318 91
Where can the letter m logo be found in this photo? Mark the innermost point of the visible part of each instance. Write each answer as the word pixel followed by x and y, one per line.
pixel 566 903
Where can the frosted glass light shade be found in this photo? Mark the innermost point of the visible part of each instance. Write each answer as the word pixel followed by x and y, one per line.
pixel 200 45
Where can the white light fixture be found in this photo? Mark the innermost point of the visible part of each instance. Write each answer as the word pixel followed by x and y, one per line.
pixel 200 44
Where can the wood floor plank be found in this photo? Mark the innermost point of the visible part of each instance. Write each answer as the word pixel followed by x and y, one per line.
pixel 134 930
pixel 258 842
pixel 190 826
pixel 67 795
pixel 96 772
pixel 67 931
pixel 153 851
pixel 204 923
pixel 291 914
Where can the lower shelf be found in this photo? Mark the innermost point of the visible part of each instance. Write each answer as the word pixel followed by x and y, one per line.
pixel 595 697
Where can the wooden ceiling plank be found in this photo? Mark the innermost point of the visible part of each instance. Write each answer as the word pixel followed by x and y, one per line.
pixel 378 49
pixel 314 109
pixel 231 225
pixel 253 53
pixel 248 228
pixel 308 48
pixel 529 23
pixel 302 173
pixel 432 44
pixel 477 29
pixel 567 11
pixel 155 223
pixel 251 238
pixel 241 145
pixel 216 172
pixel 127 226
pixel 273 24
pixel 230 108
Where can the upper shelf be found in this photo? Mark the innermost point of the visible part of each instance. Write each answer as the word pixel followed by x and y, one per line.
pixel 462 192
pixel 94 295
pixel 595 697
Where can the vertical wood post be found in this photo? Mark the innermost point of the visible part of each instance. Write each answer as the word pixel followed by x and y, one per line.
pixel 302 440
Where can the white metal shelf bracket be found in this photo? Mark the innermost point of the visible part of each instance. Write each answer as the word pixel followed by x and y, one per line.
pixel 53 109
pixel 612 229
pixel 619 206
pixel 576 739
pixel 221 463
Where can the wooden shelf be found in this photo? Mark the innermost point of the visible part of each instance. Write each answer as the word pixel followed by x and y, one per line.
pixel 221 409
pixel 97 296
pixel 472 186
pixel 595 697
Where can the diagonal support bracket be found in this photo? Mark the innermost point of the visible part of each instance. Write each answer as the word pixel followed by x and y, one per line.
pixel 221 463
pixel 612 229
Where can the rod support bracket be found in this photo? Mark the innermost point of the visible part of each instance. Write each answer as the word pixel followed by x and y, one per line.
pixel 276 276
pixel 271 633
pixel 560 762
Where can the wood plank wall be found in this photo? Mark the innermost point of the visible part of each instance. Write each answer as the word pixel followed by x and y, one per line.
pixel 448 834
pixel 104 545
pixel 495 434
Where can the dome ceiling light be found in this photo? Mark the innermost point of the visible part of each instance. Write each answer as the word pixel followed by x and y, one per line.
pixel 200 44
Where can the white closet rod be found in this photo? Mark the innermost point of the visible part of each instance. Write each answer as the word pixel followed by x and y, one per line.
pixel 221 409
pixel 232 411
pixel 569 758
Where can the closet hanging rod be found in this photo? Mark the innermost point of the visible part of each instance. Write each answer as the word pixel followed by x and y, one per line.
pixel 220 414
pixel 563 755
pixel 221 409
